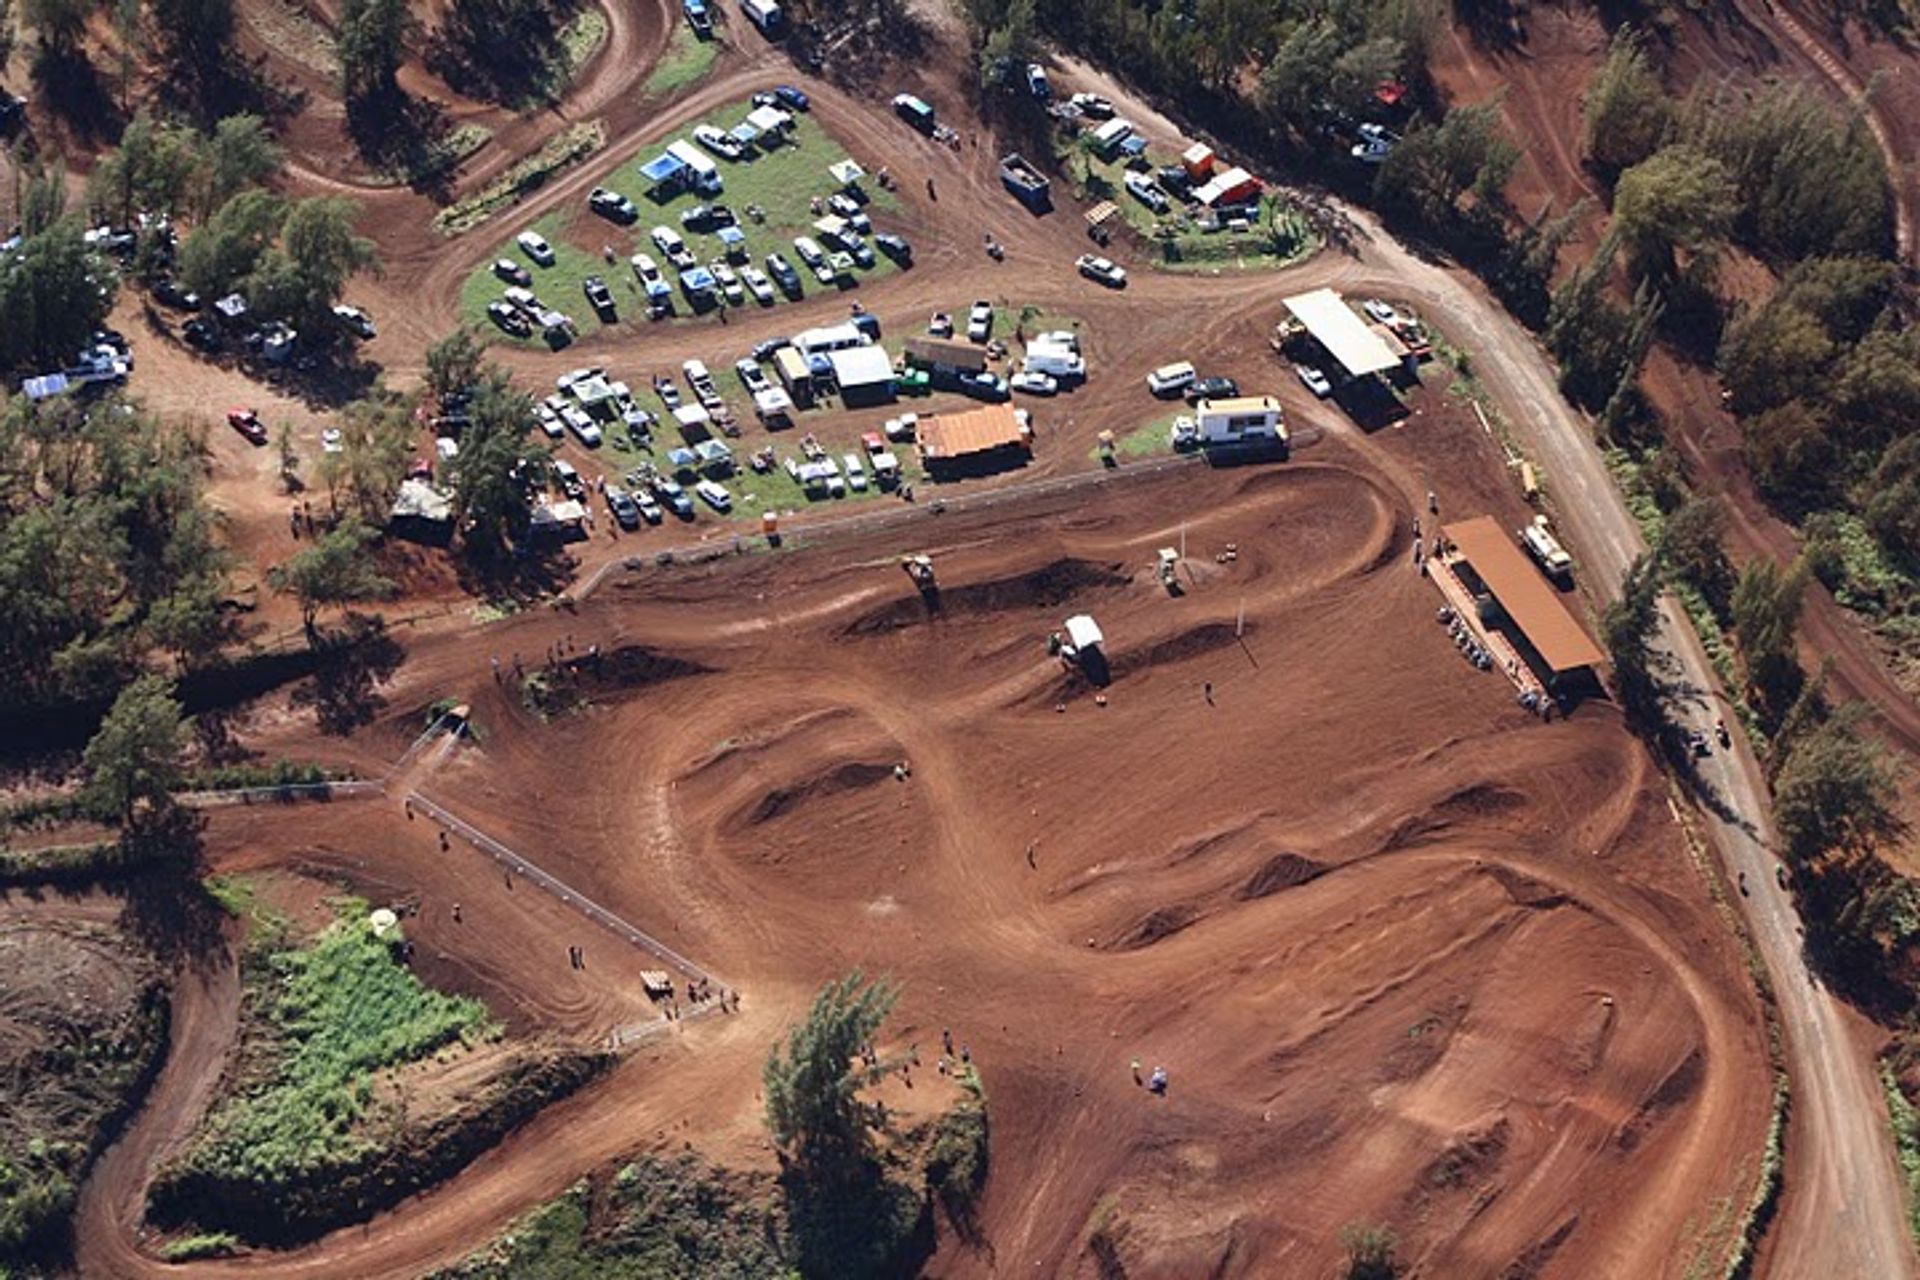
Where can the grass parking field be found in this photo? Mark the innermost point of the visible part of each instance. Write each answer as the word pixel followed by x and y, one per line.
pixel 1280 236
pixel 783 183
pixel 687 60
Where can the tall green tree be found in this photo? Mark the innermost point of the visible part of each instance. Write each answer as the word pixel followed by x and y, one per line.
pixel 1691 546
pixel 499 468
pixel 1628 113
pixel 223 252
pixel 814 1078
pixel 1678 198
pixel 302 277
pixel 1834 793
pixel 337 569
pixel 151 171
pixel 1627 628
pixel 1765 608
pixel 134 758
pixel 372 42
pixel 239 153
pixel 197 37
pixel 455 361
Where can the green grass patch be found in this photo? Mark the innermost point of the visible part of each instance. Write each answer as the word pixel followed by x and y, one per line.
pixel 783 182
pixel 687 61
pixel 580 39
pixel 560 152
pixel 1147 440
pixel 205 1244
pixel 326 1018
pixel 654 1217
pixel 1906 1144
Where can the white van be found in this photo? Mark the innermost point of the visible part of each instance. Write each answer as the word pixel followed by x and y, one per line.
pixel 1171 379
pixel 1057 361
pixel 856 473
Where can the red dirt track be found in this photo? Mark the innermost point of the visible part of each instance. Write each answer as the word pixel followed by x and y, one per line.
pixel 1407 954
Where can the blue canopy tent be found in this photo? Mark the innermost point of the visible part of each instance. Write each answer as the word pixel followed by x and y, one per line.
pixel 1134 146
pixel 745 134
pixel 734 240
pixel 682 459
pixel 697 282
pixel 665 173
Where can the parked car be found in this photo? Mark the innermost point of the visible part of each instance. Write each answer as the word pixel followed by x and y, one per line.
pixel 751 376
pixel 670 492
pixel 980 321
pixel 1034 384
pixel 1146 191
pixel 356 321
pixel 569 480
pixel 535 246
pixel 610 204
pixel 624 508
pixel 1103 270
pixel 1380 311
pixel 1093 106
pixel 758 285
pixel 895 247
pixel 247 423
pixel 783 273
pixel 1314 380
pixel 707 217
pixel 699 17
pixel 1214 388
pixel 718 142
pixel 201 334
pixel 512 272
pixel 729 282
pixel 791 97
pixel 169 292
pixel 649 507
pixel 509 318
pixel 715 495
pixel 1171 379
pixel 984 386
pixel 332 441
pixel 1037 83
pixel 547 418
pixel 1375 145
pixel 599 297
pixel 645 270
pixel 672 247
pixel 815 257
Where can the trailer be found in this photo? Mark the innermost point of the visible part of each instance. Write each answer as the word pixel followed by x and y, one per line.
pixel 1028 185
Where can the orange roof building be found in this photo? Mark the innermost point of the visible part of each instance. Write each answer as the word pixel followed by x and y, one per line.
pixel 972 437
pixel 1528 600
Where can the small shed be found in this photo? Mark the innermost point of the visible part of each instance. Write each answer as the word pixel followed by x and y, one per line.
pixel 1198 161
pixel 1231 186
pixel 864 374
pixel 944 357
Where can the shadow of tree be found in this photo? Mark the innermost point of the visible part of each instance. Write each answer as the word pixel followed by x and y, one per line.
pixel 399 134
pixel 167 908
pixel 350 662
pixel 517 580
pixel 71 88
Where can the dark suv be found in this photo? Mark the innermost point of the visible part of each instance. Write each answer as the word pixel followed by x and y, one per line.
pixel 1211 389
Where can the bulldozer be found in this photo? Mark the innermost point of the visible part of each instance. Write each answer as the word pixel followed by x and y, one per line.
pixel 1169 570
pixel 920 569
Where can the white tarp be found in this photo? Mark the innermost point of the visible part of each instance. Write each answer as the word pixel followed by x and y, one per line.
pixel 1083 632
pixel 772 402
pixel 861 366
pixel 1336 327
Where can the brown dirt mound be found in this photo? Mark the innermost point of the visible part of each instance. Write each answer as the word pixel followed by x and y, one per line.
pixel 633 666
pixel 1533 1262
pixel 1528 892
pixel 1194 642
pixel 1468 1159
pixel 846 777
pixel 1281 871
pixel 1679 1085
pixel 1156 926
pixel 1465 807
pixel 1047 587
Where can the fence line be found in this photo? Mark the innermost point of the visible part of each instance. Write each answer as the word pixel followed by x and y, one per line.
pixel 567 894
pixel 284 792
